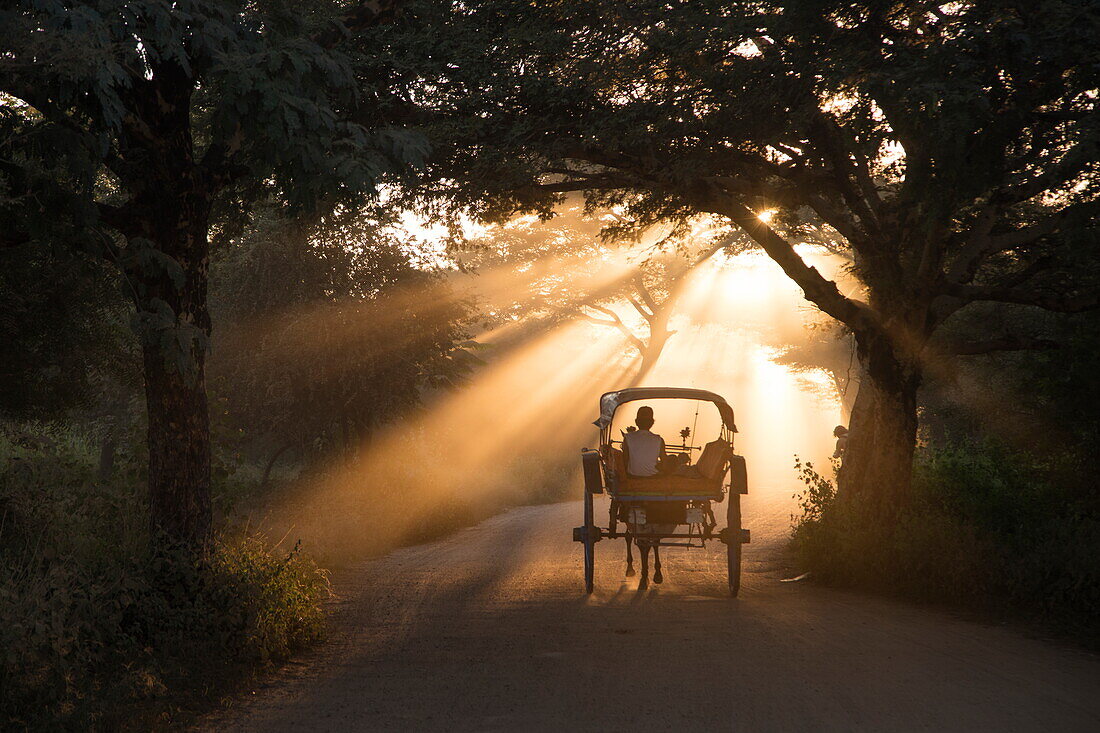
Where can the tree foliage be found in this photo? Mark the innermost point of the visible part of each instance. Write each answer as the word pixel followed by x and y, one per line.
pixel 64 342
pixel 128 129
pixel 951 148
pixel 590 266
pixel 327 333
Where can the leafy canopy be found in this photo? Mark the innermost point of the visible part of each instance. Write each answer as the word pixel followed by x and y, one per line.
pixel 952 148
pixel 264 94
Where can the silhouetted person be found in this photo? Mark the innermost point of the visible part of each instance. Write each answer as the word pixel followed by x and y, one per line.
pixel 841 434
pixel 643 448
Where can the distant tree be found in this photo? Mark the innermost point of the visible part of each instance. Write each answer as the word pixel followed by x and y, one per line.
pixel 951 148
pixel 332 329
pixel 556 275
pixel 127 129
pixel 653 291
pixel 827 347
pixel 63 332
pixel 66 348
pixel 534 271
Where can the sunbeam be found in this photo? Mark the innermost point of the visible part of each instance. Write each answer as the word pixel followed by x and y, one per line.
pixel 511 431
pixel 510 434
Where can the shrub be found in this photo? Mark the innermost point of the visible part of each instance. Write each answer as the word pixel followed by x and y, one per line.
pixel 986 528
pixel 106 646
pixel 98 632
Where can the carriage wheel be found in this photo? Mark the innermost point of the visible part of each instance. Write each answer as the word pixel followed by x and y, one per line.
pixel 589 544
pixel 733 541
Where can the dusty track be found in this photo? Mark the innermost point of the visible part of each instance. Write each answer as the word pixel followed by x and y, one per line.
pixel 488 630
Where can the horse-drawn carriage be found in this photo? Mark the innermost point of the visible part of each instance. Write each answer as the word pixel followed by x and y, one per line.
pixel 672 506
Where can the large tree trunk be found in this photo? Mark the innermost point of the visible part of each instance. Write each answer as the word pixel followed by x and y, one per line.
pixel 878 462
pixel 179 449
pixel 174 340
pixel 166 259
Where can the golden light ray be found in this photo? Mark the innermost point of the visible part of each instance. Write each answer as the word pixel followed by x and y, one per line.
pixel 732 307
pixel 521 419
pixel 321 331
pixel 519 422
pixel 775 415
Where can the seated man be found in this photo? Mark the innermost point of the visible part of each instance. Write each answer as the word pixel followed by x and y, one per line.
pixel 643 449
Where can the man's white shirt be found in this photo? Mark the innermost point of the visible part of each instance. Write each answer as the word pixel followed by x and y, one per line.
pixel 643 448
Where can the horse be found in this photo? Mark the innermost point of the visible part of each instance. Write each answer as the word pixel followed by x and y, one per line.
pixel 644 546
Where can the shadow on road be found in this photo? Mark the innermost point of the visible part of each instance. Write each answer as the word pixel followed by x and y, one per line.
pixel 490 630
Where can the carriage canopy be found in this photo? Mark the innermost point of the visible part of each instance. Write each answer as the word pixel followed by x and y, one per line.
pixel 610 401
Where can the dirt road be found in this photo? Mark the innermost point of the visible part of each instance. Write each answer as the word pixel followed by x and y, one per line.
pixel 489 630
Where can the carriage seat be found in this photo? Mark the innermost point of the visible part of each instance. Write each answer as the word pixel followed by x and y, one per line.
pixel 702 479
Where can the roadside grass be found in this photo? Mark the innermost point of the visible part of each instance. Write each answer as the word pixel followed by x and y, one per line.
pixel 988 530
pixel 97 632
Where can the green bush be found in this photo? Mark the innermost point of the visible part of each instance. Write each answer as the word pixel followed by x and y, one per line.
pixel 108 646
pixel 96 631
pixel 987 528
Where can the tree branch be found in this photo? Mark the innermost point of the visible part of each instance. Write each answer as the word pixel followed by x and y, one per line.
pixel 1005 343
pixel 613 321
pixel 642 311
pixel 856 186
pixel 977 248
pixel 983 245
pixel 850 173
pixel 1075 161
pixel 362 16
pixel 997 294
pixel 804 190
pixel 116 217
pixel 645 295
pixel 817 288
pixel 1049 225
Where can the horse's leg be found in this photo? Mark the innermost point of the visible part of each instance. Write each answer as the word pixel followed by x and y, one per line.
pixel 629 557
pixel 644 550
pixel 657 577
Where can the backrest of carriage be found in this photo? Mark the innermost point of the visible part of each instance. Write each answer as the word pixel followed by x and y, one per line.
pixel 702 479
